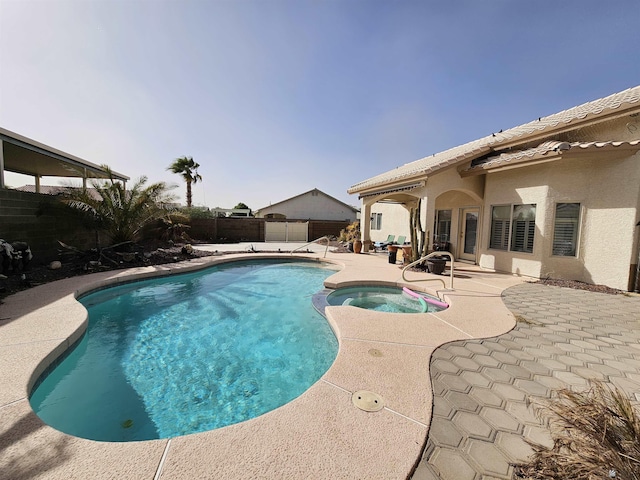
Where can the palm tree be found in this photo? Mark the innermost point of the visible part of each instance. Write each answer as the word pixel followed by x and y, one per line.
pixel 121 212
pixel 186 167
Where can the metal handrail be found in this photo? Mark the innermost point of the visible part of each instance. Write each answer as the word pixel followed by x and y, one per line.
pixel 432 254
pixel 314 241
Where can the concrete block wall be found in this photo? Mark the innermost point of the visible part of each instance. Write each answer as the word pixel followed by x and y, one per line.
pixel 242 229
pixel 239 229
pixel 204 229
pixel 39 221
pixel 227 229
pixel 321 228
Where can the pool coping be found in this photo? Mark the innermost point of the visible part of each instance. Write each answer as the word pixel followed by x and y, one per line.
pixel 320 434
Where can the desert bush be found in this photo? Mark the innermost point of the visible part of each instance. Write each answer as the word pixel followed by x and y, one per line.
pixel 596 435
pixel 197 212
pixel 351 233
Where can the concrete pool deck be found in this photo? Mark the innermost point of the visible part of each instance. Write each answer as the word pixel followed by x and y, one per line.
pixel 321 434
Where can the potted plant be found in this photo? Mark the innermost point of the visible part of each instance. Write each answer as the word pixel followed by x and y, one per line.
pixel 351 235
pixel 357 245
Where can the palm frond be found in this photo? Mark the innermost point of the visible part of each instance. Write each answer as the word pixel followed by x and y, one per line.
pixel 121 212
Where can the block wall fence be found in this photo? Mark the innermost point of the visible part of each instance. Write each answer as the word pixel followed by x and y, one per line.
pixel 242 229
pixel 41 221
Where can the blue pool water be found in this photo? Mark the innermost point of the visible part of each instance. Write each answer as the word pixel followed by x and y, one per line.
pixel 189 353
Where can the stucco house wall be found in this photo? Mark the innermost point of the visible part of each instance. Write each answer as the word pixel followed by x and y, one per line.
pixel 589 154
pixel 395 221
pixel 312 205
pixel 608 200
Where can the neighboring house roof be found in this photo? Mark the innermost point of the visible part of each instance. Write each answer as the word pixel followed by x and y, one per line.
pixel 350 207
pixel 616 104
pixel 56 190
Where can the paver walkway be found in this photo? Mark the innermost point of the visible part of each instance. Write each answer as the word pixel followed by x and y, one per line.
pixel 481 387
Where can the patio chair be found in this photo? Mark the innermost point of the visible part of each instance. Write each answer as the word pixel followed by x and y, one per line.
pixel 387 242
pixel 401 239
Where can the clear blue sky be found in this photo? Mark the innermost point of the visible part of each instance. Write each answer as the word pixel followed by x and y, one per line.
pixel 274 98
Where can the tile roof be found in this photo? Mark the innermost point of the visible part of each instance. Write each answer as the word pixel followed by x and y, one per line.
pixel 543 150
pixel 350 207
pixel 56 190
pixel 482 146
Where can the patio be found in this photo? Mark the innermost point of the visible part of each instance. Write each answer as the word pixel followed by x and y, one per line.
pixel 321 434
pixel 482 388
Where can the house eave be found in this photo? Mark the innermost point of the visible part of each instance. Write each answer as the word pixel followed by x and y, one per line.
pixel 589 120
pixel 404 187
pixel 553 151
pixel 617 105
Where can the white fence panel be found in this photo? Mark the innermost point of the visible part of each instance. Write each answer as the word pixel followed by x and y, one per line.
pixel 298 232
pixel 275 231
pixel 286 232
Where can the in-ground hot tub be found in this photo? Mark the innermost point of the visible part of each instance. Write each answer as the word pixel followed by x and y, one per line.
pixel 385 299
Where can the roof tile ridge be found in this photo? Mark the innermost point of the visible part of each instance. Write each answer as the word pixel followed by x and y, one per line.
pixel 438 160
pixel 581 111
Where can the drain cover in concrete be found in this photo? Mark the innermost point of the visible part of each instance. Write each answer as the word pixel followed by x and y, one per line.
pixel 367 401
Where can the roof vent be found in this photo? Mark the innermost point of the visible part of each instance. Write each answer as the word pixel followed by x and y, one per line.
pixel 563 147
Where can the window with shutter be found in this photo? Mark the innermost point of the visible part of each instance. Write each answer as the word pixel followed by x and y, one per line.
pixel 523 228
pixel 500 227
pixel 516 223
pixel 565 229
pixel 530 236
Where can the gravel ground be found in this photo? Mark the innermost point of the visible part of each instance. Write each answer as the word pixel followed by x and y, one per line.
pixel 73 265
pixel 580 286
pixel 37 274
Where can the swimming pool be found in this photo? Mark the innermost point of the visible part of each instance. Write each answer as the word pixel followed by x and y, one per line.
pixel 189 353
pixel 385 299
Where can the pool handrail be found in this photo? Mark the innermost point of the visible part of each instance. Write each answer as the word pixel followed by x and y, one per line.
pixel 314 241
pixel 429 255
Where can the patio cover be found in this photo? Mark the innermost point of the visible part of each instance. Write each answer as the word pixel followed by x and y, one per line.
pixel 386 191
pixel 20 154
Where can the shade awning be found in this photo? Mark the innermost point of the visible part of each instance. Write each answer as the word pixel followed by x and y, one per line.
pixel 26 156
pixel 386 191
